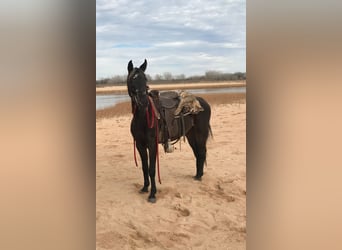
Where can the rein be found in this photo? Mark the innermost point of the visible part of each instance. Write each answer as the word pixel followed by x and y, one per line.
pixel 150 124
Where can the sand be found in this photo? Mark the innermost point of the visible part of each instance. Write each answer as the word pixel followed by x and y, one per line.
pixel 188 214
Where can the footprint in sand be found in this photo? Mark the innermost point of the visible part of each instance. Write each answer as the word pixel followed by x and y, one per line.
pixel 182 210
pixel 178 195
pixel 218 192
pixel 137 185
pixel 119 155
pixel 221 193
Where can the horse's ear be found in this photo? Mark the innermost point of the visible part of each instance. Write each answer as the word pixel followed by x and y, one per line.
pixel 130 66
pixel 143 66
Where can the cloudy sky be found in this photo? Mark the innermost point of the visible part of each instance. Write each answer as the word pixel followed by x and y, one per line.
pixel 182 37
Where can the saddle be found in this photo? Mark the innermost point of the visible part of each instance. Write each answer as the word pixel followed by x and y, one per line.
pixel 175 119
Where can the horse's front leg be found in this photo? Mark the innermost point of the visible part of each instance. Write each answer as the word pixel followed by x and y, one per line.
pixel 143 155
pixel 152 147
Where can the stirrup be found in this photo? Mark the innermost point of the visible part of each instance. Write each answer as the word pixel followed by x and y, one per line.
pixel 168 147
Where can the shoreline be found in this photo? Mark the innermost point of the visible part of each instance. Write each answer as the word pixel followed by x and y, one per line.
pixel 120 89
pixel 124 108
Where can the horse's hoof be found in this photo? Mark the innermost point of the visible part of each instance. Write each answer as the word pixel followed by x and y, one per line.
pixel 143 190
pixel 152 199
pixel 197 178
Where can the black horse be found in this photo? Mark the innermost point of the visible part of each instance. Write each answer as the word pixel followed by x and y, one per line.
pixel 144 123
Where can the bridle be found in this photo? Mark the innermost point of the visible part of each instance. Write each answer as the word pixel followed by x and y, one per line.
pixel 137 95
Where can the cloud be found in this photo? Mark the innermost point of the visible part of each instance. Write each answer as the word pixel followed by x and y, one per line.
pixel 181 37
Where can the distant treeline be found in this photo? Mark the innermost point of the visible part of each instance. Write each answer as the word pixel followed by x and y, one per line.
pixel 167 77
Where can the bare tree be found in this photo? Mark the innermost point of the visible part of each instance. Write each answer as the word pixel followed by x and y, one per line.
pixel 167 76
pixel 213 75
pixel 180 77
pixel 210 75
pixel 149 77
pixel 158 77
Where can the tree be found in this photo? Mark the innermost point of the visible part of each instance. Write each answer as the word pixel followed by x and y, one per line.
pixel 213 75
pixel 167 76
pixel 180 77
pixel 158 77
pixel 148 77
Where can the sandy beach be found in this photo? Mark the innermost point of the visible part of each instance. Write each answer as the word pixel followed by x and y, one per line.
pixel 188 214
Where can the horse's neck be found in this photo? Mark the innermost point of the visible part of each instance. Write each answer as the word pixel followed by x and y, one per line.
pixel 139 113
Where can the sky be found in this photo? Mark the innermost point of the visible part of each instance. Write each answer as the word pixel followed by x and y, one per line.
pixel 181 37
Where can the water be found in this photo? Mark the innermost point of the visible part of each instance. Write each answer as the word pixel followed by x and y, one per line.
pixel 104 101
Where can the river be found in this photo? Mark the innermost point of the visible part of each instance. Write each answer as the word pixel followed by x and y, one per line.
pixel 104 101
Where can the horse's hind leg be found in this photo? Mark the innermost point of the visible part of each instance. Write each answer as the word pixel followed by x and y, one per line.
pixel 198 145
pixel 200 159
pixel 143 155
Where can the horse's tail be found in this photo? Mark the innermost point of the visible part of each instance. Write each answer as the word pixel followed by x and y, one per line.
pixel 211 132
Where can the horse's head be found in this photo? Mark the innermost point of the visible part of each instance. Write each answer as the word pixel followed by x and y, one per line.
pixel 137 84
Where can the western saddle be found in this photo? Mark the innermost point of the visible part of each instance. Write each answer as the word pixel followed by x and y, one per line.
pixel 174 116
